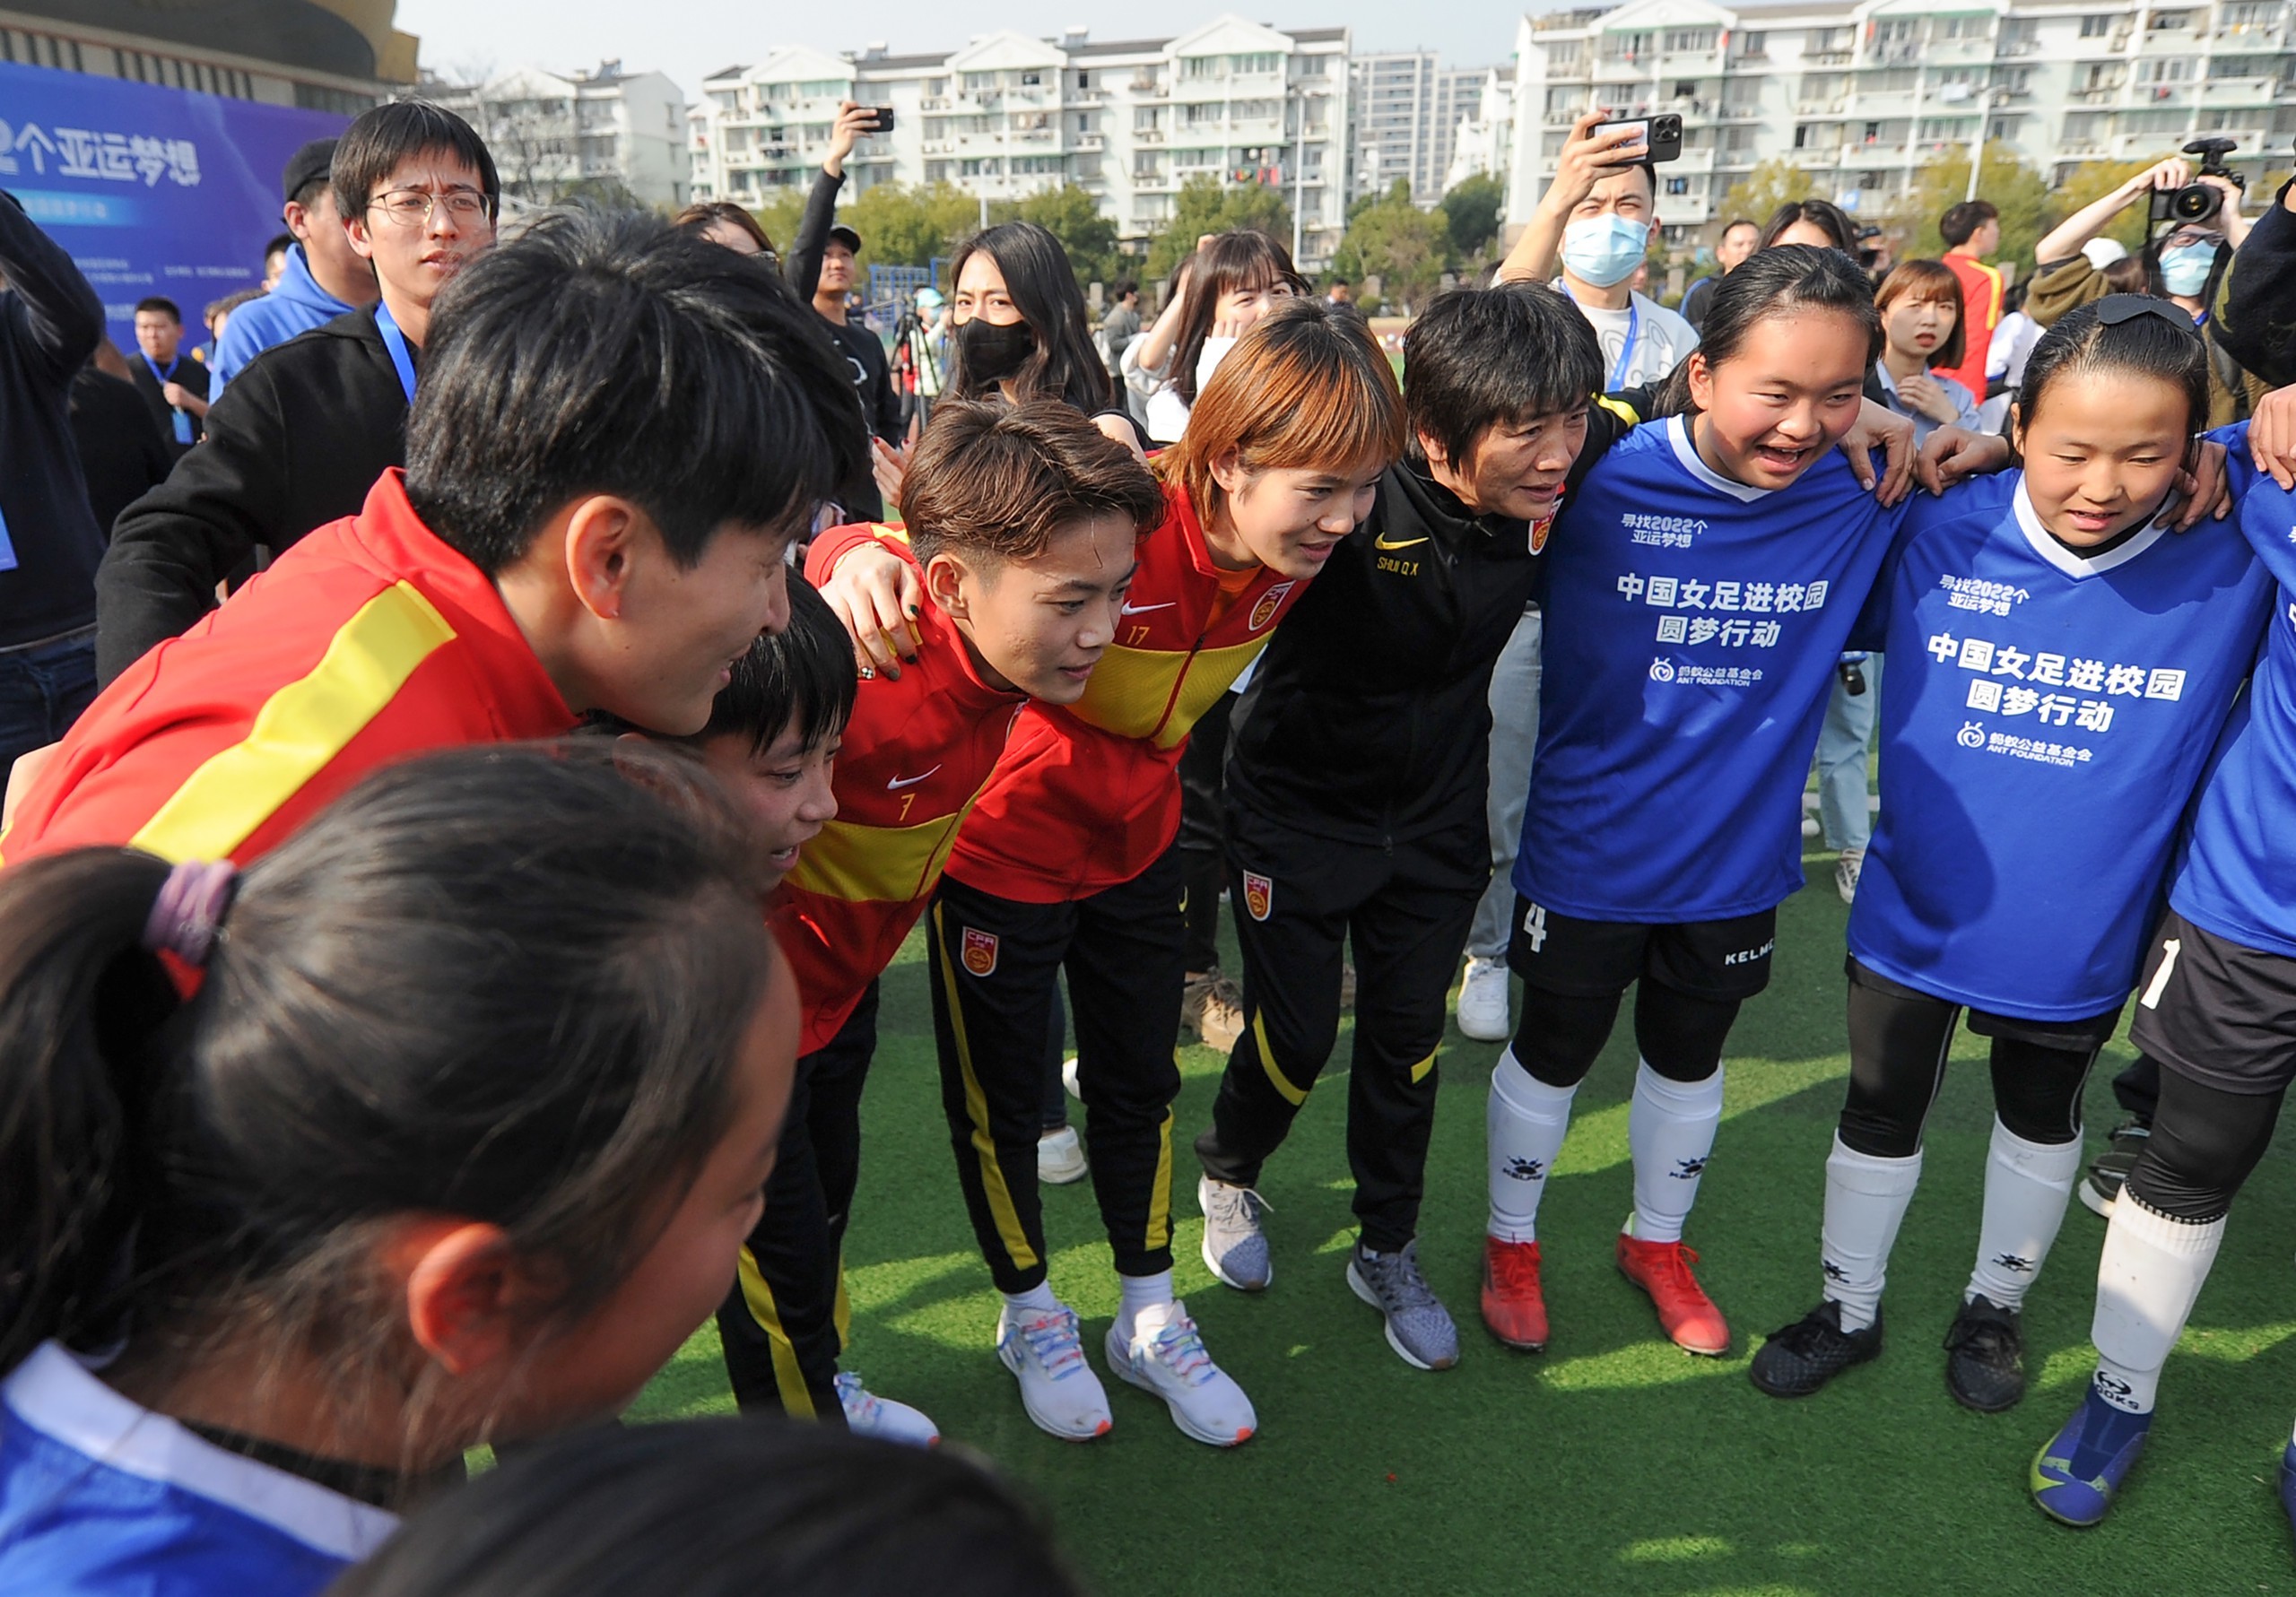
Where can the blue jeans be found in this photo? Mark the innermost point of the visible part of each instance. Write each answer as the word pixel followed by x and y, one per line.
pixel 1842 744
pixel 1514 738
pixel 43 691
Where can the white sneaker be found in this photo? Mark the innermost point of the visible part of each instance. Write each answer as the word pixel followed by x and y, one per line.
pixel 1046 1350
pixel 1810 827
pixel 1846 871
pixel 1068 1078
pixel 869 1415
pixel 1166 1357
pixel 1483 1001
pixel 1060 1157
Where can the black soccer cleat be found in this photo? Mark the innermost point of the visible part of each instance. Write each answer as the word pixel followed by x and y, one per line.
pixel 1797 1360
pixel 1985 1364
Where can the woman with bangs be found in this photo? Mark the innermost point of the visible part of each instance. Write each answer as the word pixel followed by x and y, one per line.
pixel 1233 281
pixel 1067 861
pixel 1922 338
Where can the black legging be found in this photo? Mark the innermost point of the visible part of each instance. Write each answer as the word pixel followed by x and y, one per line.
pixel 1898 1043
pixel 2205 1142
pixel 1681 1033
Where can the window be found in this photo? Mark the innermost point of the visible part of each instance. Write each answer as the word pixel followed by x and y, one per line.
pixel 1563 56
pixel 1625 46
pixel 1033 80
pixel 1823 40
pixel 1311 66
pixel 1084 80
pixel 1264 63
pixel 1147 118
pixel 1896 31
pixel 1873 133
pixel 2171 69
pixel 1976 27
pixel 1685 89
pixel 1196 158
pixel 1202 66
pixel 1869 180
pixel 2243 66
pixel 1677 186
pixel 2166 22
pixel 980 83
pixel 1690 39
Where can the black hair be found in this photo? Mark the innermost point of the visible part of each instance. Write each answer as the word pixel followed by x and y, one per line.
pixel 159 303
pixel 1782 280
pixel 1823 215
pixel 511 985
pixel 1042 286
pixel 1126 285
pixel 722 1508
pixel 608 353
pixel 373 146
pixel 1736 223
pixel 2083 343
pixel 280 244
pixel 803 673
pixel 1240 259
pixel 2012 297
pixel 1961 221
pixel 1478 358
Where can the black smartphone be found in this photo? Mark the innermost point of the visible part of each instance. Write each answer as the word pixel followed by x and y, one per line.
pixel 1661 135
pixel 885 119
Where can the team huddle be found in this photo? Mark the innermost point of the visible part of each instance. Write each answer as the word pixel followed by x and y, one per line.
pixel 446 974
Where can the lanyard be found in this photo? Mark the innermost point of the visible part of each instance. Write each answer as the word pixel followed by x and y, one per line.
pixel 394 341
pixel 182 418
pixel 1626 350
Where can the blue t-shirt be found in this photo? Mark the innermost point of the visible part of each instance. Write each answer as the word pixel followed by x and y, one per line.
pixel 99 1497
pixel 1693 624
pixel 2047 720
pixel 2238 877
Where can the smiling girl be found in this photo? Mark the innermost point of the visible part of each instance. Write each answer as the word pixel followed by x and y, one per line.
pixel 2056 653
pixel 1233 281
pixel 1701 584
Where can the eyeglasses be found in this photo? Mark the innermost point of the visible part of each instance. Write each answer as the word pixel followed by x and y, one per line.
pixel 411 207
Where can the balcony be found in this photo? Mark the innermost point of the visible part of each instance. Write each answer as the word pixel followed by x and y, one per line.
pixel 1088 141
pixel 1821 108
pixel 1828 58
pixel 1147 135
pixel 2238 91
pixel 2102 94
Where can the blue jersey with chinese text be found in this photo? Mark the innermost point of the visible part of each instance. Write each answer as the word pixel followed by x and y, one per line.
pixel 1693 624
pixel 2047 720
pixel 2238 877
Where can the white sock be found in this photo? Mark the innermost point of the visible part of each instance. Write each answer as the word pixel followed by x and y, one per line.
pixel 1865 1201
pixel 2026 1186
pixel 1141 1293
pixel 1670 1130
pixel 1036 1300
pixel 1525 1124
pixel 2147 1280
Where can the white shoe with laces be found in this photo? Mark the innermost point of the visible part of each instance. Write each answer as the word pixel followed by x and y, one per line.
pixel 1060 1157
pixel 869 1415
pixel 1165 1356
pixel 1045 1351
pixel 1483 1001
pixel 1846 871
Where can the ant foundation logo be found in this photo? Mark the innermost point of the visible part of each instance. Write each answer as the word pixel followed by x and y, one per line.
pixel 1662 670
pixel 1264 611
pixel 980 952
pixel 1259 894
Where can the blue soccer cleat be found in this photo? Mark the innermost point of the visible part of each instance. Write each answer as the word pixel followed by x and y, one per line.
pixel 2079 1470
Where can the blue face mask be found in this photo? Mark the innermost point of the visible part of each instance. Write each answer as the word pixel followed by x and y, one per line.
pixel 2184 269
pixel 1603 250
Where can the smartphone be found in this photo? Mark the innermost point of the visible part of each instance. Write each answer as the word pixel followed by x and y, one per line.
pixel 884 120
pixel 1662 136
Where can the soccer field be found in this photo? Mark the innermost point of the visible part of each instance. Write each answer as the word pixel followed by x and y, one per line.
pixel 1611 1463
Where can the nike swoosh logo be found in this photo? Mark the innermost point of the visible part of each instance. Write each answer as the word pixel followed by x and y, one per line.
pixel 897 783
pixel 1144 609
pixel 1407 544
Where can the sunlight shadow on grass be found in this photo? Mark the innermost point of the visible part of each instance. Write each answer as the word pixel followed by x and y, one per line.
pixel 1597 1140
pixel 1652 1363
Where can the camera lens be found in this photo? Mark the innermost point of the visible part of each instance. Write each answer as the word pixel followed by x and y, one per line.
pixel 2195 202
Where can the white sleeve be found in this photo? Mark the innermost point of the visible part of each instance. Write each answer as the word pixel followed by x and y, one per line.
pixel 1145 381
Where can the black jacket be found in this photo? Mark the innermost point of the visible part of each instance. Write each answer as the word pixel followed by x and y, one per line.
pixel 1369 720
pixel 2256 320
pixel 873 380
pixel 50 321
pixel 189 374
pixel 295 441
pixel 122 457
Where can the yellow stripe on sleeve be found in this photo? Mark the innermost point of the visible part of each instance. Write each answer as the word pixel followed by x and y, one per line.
pixel 300 729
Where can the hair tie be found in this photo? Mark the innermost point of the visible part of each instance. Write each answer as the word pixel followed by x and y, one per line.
pixel 189 910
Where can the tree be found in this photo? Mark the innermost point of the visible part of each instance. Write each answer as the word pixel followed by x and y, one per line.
pixel 1400 244
pixel 2022 197
pixel 908 224
pixel 1772 183
pixel 1205 206
pixel 1073 216
pixel 2093 180
pixel 1471 211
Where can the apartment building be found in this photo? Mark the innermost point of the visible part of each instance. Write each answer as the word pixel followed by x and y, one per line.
pixel 1863 96
pixel 552 134
pixel 1407 109
pixel 1129 121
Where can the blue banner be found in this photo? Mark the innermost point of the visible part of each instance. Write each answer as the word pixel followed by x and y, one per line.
pixel 153 190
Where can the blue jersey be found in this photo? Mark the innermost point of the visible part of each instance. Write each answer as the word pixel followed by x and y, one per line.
pixel 1693 624
pixel 99 1496
pixel 2047 719
pixel 2238 878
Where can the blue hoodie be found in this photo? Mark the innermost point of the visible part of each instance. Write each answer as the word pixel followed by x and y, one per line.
pixel 297 305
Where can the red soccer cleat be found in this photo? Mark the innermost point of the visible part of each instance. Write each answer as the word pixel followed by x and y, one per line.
pixel 1686 1314
pixel 1514 1308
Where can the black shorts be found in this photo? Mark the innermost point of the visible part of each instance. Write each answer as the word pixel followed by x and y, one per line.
pixel 1577 958
pixel 2218 1011
pixel 2070 1036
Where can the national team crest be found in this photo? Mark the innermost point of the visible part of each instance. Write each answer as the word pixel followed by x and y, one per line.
pixel 1264 611
pixel 1539 530
pixel 1259 894
pixel 980 952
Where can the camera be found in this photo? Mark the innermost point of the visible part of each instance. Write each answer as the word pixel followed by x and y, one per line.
pixel 2197 202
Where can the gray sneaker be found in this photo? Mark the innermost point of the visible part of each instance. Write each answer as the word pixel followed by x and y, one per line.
pixel 1419 1327
pixel 1235 1248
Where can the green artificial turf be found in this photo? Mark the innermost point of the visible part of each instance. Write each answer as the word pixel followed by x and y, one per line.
pixel 1611 1463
